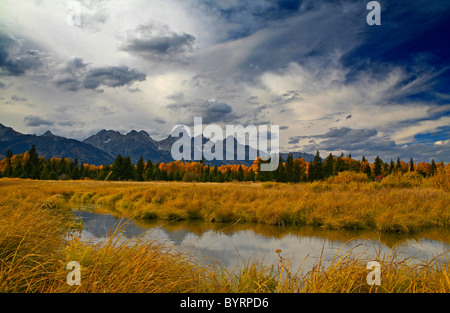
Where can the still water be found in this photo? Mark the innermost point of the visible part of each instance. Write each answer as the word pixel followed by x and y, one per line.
pixel 231 244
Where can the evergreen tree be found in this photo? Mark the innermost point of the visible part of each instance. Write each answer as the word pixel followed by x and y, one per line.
pixel 45 173
pixel 9 169
pixel 368 170
pixel 398 166
pixel 265 175
pixel 76 174
pixel 433 168
pixel 140 169
pixel 148 175
pixel 240 174
pixel 156 173
pixel 31 168
pixel 340 165
pixel 104 172
pixel 290 168
pixel 62 167
pixel 378 164
pixel 391 167
pixel 250 176
pixel 328 166
pixel 280 174
pixel 385 171
pixel 315 168
pixel 117 168
pixel 128 169
pixel 411 165
pixel 18 169
pixel 297 173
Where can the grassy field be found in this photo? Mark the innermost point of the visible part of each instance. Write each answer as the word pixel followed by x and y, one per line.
pixel 35 218
pixel 397 204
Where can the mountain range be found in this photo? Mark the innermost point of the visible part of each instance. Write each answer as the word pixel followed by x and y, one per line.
pixel 103 147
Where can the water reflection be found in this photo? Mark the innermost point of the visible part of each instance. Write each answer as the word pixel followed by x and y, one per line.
pixel 234 243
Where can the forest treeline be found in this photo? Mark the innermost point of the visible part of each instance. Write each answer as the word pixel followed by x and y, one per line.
pixel 30 165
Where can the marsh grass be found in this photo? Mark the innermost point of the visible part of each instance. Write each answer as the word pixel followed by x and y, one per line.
pixel 340 203
pixel 35 220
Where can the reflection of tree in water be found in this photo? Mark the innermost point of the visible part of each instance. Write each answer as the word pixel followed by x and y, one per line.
pixel 236 243
pixel 278 232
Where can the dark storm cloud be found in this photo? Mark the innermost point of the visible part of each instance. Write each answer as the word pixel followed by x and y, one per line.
pixel 366 142
pixel 340 138
pixel 157 42
pixel 173 44
pixel 14 63
pixel 211 111
pixel 75 75
pixel 111 76
pixel 248 16
pixel 69 83
pixel 35 121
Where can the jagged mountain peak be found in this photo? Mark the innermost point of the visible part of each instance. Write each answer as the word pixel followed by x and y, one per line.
pixel 48 133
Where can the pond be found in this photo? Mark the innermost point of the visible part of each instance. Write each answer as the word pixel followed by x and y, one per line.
pixel 234 244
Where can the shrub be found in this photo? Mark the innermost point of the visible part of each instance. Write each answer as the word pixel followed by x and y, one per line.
pixel 407 180
pixel 348 177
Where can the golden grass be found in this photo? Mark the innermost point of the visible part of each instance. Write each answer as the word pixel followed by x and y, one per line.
pixel 35 219
pixel 344 205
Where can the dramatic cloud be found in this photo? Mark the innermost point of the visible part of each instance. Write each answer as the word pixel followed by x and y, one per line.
pixel 111 76
pixel 157 42
pixel 17 64
pixel 76 75
pixel 314 67
pixel 36 121
pixel 211 111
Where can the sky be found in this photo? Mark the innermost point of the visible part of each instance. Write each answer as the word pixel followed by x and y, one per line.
pixel 316 68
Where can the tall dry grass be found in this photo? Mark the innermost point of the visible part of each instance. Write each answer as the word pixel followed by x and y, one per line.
pixel 405 203
pixel 35 218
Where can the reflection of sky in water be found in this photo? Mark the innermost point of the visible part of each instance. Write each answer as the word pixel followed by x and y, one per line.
pixel 235 247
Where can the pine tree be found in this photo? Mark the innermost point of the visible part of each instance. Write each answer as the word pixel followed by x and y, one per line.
pixel 297 173
pixel 240 174
pixel 128 169
pixel 315 168
pixel 140 169
pixel 328 166
pixel 398 166
pixel 31 168
pixel 378 164
pixel 45 173
pixel 8 170
pixel 433 168
pixel 250 176
pixel 368 170
pixel 411 165
pixel 117 168
pixel 290 168
pixel 391 167
pixel 280 174
pixel 148 174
